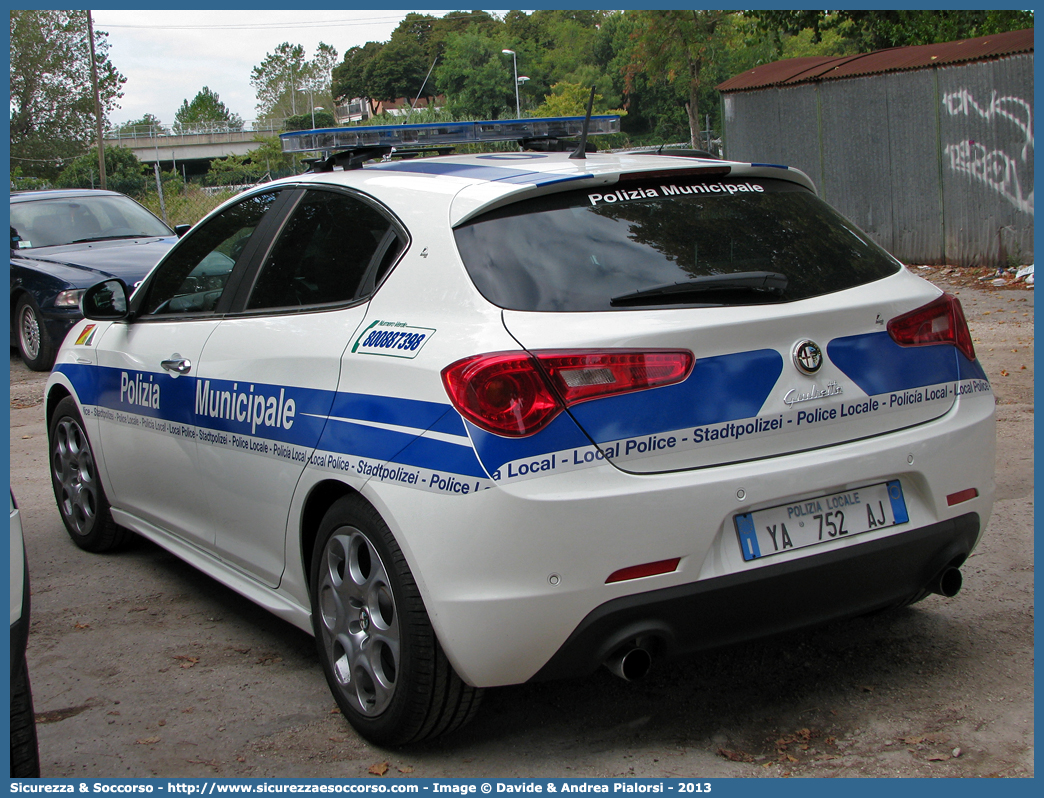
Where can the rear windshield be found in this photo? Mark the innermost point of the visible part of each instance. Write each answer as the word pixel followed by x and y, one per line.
pixel 684 242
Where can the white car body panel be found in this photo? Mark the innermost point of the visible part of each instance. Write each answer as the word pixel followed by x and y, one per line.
pixel 510 562
pixel 138 459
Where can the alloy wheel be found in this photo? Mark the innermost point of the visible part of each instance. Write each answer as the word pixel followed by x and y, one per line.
pixel 76 476
pixel 359 621
pixel 29 331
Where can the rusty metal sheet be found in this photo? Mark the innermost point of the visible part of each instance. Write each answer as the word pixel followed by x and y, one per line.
pixel 792 71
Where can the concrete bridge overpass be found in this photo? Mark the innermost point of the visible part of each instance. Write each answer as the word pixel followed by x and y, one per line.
pixel 195 149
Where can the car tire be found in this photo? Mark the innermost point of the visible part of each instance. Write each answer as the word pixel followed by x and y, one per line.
pixel 34 343
pixel 25 755
pixel 382 660
pixel 77 485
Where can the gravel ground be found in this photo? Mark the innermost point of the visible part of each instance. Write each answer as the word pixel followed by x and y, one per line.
pixel 142 666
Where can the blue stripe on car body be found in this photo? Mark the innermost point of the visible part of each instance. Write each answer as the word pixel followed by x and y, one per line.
pixel 877 364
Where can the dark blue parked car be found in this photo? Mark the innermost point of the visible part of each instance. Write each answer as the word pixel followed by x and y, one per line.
pixel 63 242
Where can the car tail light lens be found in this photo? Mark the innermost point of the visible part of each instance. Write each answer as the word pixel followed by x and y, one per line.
pixel 518 394
pixel 502 393
pixel 939 322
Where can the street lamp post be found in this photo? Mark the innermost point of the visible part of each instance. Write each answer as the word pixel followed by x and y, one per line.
pixel 514 64
pixel 520 81
pixel 311 104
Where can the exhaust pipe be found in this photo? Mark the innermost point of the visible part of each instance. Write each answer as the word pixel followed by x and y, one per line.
pixel 948 583
pixel 630 663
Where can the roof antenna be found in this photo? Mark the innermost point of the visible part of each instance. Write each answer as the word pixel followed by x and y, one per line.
pixel 580 150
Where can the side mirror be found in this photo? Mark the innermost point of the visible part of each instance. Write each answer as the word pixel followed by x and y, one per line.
pixel 181 229
pixel 105 301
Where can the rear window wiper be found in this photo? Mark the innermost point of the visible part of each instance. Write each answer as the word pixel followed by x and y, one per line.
pixel 752 282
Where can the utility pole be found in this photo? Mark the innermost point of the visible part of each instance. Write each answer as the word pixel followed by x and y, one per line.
pixel 97 102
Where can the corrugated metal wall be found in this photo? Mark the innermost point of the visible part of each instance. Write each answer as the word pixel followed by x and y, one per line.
pixel 936 165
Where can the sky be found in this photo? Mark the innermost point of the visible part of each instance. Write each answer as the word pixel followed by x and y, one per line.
pixel 168 56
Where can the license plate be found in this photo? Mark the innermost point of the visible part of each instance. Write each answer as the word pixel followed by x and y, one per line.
pixel 820 520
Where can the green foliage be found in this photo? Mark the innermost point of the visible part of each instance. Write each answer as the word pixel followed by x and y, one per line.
pixel 234 170
pixel 682 47
pixel 876 30
pixel 123 172
pixel 831 43
pixel 476 77
pixel 304 121
pixel 269 153
pixel 419 116
pixel 398 70
pixel 206 110
pixel 400 67
pixel 570 99
pixel 661 67
pixel 866 31
pixel 349 77
pixel 52 116
pixel 286 82
pixel 21 182
pixel 264 162
pixel 138 127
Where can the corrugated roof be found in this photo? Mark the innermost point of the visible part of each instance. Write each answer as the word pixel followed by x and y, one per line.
pixel 793 71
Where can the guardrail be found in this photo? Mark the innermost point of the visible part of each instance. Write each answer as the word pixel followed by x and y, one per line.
pixel 138 132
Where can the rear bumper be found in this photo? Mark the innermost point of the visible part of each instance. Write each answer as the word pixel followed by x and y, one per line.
pixel 744 606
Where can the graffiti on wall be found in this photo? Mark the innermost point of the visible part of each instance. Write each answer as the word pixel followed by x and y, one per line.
pixel 1001 171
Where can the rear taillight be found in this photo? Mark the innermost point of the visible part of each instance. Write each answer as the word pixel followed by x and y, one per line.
pixel 939 322
pixel 518 394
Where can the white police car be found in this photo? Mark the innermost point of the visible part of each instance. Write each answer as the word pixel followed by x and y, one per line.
pixel 479 420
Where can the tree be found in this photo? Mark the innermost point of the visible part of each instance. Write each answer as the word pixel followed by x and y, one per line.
pixel 878 30
pixel 316 79
pixel 677 44
pixel 123 172
pixel 304 121
pixel 234 170
pixel 476 77
pixel 285 73
pixel 276 81
pixel 349 77
pixel 138 127
pixel 453 24
pixel 269 154
pixel 398 70
pixel 52 104
pixel 570 99
pixel 206 109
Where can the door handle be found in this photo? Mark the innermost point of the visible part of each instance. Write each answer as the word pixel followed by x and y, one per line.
pixel 177 364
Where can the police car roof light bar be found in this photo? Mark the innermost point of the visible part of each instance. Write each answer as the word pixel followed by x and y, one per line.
pixel 444 133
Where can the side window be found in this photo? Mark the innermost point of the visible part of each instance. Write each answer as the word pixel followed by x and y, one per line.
pixel 329 251
pixel 193 278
